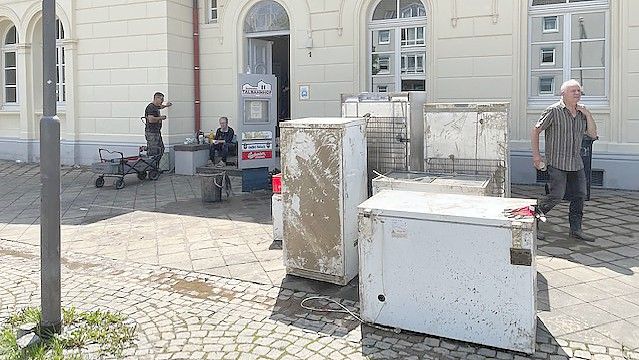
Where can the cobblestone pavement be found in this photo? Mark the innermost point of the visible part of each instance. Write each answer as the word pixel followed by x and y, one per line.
pixel 188 315
pixel 588 300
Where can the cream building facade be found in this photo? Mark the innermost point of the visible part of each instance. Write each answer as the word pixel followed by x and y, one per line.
pixel 116 54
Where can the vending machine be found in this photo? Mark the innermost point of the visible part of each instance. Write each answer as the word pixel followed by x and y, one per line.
pixel 257 121
pixel 257 146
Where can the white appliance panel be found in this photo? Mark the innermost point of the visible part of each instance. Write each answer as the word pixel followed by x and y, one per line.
pixel 443 265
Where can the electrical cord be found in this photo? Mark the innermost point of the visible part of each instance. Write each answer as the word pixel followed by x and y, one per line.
pixel 343 310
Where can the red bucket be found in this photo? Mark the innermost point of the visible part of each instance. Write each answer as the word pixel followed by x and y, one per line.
pixel 277 183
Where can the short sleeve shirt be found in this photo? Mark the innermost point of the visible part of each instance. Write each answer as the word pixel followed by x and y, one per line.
pixel 563 136
pixel 153 110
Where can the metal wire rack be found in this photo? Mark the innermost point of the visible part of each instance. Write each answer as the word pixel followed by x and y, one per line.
pixel 387 144
pixel 494 169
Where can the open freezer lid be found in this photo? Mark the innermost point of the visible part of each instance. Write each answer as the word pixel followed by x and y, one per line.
pixel 445 207
pixel 323 122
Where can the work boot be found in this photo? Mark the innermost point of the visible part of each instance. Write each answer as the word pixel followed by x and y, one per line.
pixel 580 235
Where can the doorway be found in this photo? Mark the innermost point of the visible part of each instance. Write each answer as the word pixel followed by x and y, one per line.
pixel 271 55
pixel 267 49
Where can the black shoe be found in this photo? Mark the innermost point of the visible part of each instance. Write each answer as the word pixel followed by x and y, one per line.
pixel 582 236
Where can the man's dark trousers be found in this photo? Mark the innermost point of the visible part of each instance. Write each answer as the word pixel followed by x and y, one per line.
pixel 221 149
pixel 561 181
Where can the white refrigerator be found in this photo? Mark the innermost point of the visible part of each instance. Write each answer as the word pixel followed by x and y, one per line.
pixel 323 181
pixel 449 265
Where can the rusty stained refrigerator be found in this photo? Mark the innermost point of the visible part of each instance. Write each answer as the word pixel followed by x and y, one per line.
pixel 323 182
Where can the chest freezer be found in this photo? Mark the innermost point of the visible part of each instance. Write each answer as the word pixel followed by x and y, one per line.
pixel 323 181
pixel 449 265
pixel 433 182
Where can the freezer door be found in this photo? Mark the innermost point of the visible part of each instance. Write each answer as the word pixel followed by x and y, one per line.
pixel 311 192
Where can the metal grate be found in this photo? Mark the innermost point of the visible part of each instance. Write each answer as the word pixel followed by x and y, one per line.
pixel 387 145
pixel 597 177
pixel 494 169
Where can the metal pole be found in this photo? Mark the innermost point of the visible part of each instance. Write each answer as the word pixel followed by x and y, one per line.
pixel 50 176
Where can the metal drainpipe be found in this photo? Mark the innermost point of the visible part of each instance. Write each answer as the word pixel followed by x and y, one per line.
pixel 196 65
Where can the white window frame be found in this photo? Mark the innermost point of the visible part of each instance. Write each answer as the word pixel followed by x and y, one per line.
pixel 416 57
pixel 565 12
pixel 386 69
pixel 551 92
pixel 553 29
pixel 541 57
pixel 60 65
pixel 9 48
pixel 395 25
pixel 213 8
pixel 417 41
pixel 387 37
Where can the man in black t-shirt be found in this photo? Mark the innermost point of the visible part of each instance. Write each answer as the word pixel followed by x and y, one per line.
pixel 222 142
pixel 154 143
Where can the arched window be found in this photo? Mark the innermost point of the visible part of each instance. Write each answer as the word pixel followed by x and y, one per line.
pixel 266 16
pixel 10 66
pixel 61 87
pixel 397 46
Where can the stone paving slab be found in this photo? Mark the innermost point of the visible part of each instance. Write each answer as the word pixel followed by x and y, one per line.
pixel 588 292
pixel 189 315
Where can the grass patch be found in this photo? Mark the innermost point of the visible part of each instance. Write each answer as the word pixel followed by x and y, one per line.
pixel 106 333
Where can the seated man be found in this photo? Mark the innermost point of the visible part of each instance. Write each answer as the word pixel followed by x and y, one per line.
pixel 223 142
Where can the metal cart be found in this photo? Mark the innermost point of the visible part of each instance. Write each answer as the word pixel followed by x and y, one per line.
pixel 115 164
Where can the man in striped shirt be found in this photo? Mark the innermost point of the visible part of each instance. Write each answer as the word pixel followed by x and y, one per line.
pixel 565 124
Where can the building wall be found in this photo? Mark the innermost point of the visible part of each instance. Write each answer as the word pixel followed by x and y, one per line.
pixel 123 51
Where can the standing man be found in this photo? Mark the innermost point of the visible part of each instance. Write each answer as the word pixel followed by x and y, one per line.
pixel 222 142
pixel 154 143
pixel 565 124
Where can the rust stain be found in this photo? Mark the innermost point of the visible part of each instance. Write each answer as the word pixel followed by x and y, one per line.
pixel 16 253
pixel 228 295
pixel 198 289
pixel 76 265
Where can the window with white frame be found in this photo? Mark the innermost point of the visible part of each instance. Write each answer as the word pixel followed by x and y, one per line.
pixel 569 40
pixel 546 85
pixel 10 67
pixel 213 11
pixel 548 56
pixel 383 37
pixel 550 23
pixel 60 64
pixel 397 51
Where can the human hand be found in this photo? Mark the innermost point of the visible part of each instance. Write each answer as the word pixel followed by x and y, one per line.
pixel 215 142
pixel 583 109
pixel 537 162
pixel 163 117
pixel 168 104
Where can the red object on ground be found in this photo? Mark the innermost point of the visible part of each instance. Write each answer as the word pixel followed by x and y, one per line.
pixel 277 183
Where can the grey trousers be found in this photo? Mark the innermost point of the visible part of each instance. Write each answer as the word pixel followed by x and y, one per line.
pixel 559 182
